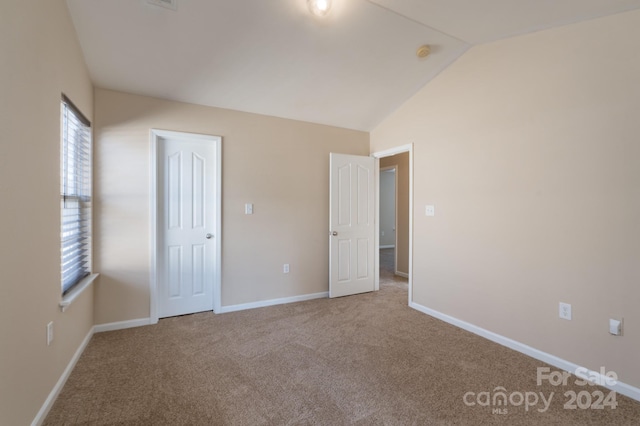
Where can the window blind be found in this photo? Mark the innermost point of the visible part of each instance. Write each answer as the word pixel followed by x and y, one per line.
pixel 76 196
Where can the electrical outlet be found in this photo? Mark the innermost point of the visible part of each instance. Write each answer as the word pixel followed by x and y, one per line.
pixel 49 333
pixel 285 268
pixel 565 311
pixel 430 210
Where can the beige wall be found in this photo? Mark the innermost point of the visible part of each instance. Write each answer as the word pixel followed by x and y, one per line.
pixel 40 60
pixel 401 161
pixel 529 150
pixel 282 166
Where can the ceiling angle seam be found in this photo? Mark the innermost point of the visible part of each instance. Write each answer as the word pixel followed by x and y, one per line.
pixel 418 22
pixel 167 4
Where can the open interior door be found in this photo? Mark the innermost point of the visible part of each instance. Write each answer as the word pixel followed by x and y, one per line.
pixel 351 225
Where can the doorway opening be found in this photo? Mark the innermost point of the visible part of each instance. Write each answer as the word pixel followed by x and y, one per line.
pixel 395 219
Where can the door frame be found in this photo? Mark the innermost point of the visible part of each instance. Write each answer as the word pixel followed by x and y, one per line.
pixel 378 155
pixel 156 135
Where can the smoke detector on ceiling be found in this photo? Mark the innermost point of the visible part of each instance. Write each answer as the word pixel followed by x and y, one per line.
pixel 169 4
pixel 423 51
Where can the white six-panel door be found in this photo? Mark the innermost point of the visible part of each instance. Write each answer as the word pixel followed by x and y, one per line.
pixel 351 225
pixel 187 224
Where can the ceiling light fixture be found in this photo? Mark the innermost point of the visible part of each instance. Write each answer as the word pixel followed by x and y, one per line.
pixel 319 7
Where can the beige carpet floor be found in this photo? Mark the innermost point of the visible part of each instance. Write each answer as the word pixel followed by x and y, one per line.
pixel 362 360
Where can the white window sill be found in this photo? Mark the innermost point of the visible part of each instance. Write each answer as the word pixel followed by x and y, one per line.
pixel 68 298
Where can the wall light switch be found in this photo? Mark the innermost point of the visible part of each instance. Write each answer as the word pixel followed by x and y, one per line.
pixel 248 208
pixel 615 327
pixel 430 210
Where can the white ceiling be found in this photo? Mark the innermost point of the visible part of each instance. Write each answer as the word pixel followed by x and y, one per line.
pixel 350 69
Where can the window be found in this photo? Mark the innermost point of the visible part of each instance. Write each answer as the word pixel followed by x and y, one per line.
pixel 75 166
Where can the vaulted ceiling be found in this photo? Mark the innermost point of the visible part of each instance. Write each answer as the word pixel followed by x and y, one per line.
pixel 349 69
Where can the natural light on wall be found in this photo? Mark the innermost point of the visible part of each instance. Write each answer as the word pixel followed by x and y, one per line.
pixel 319 7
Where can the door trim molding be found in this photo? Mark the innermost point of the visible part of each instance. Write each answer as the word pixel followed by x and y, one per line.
pixel 387 153
pixel 155 136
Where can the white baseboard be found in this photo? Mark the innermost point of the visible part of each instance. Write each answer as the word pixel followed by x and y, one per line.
pixel 402 274
pixel 48 403
pixel 388 246
pixel 121 325
pixel 272 302
pixel 619 387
